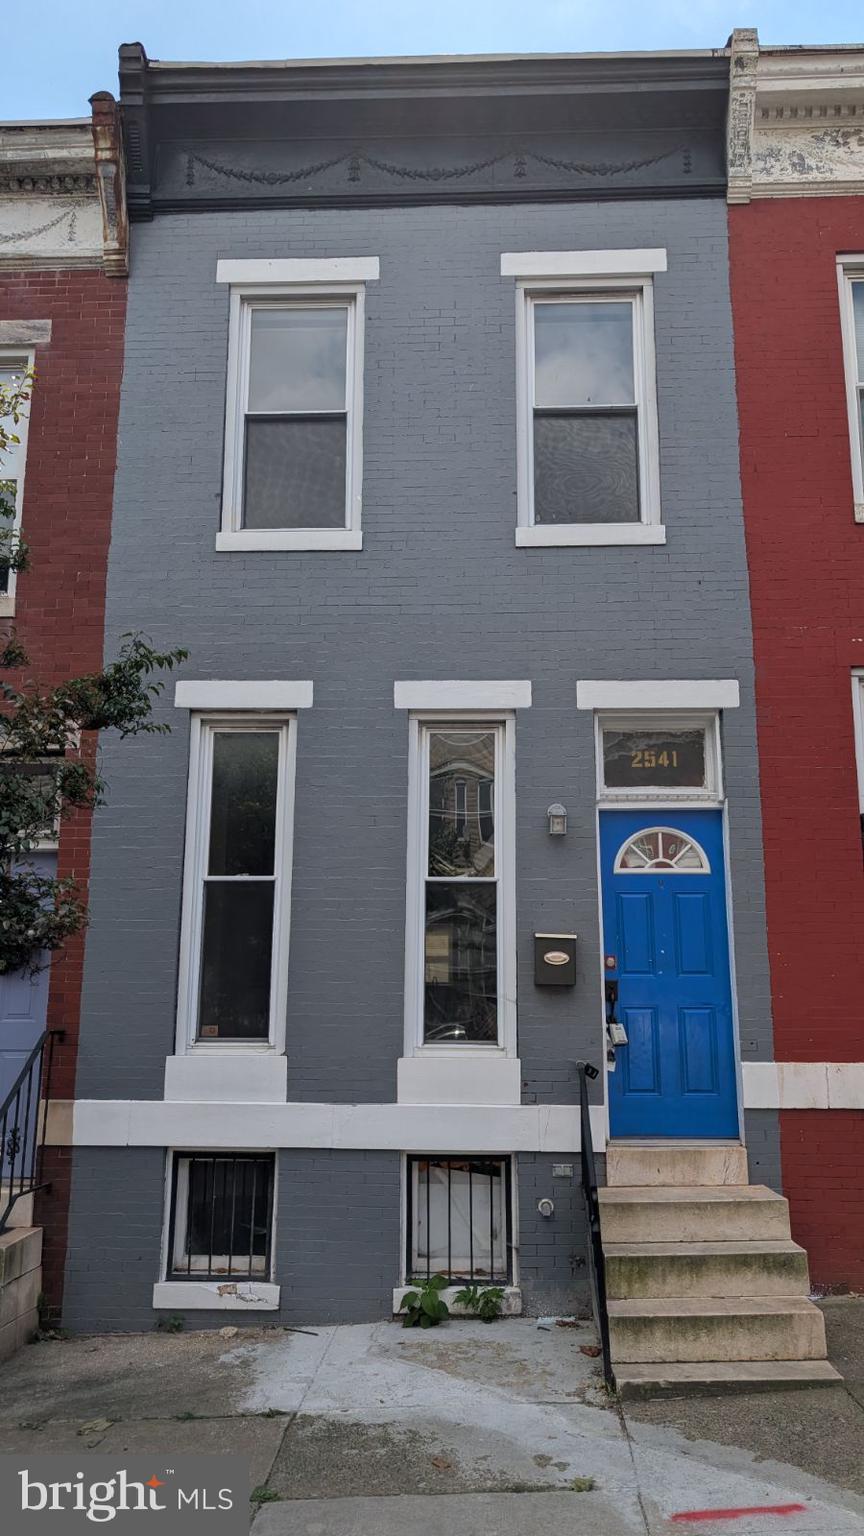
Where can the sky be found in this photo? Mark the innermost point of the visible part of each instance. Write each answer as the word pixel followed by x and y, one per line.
pixel 56 53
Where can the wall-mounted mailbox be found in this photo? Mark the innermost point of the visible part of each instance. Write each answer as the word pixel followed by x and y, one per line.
pixel 555 959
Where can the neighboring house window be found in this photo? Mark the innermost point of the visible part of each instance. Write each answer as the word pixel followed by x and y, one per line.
pixel 461 885
pixel 459 1219
pixel 221 1216
pixel 858 717
pixel 587 435
pixel 12 464
pixel 852 317
pixel 293 433
pixel 234 950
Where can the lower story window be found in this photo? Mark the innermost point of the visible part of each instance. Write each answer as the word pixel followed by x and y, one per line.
pixel 221 1216
pixel 459 1219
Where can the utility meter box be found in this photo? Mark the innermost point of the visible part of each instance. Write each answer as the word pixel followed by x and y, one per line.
pixel 555 959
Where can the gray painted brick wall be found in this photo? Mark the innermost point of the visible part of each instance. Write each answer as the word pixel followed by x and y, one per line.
pixel 439 590
pixel 552 1249
pixel 327 1205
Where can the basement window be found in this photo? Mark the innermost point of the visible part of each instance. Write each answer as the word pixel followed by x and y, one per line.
pixel 221 1216
pixel 459 1220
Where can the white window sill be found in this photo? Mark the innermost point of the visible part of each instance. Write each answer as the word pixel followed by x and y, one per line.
pixel 211 1076
pixel 290 538
pixel 461 1076
pixel 511 1302
pixel 216 1295
pixel 551 535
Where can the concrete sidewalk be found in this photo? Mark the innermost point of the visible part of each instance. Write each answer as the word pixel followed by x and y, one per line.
pixel 366 1430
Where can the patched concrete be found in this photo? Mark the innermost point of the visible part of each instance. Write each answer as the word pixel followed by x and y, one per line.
pixel 555 1514
pixel 357 1430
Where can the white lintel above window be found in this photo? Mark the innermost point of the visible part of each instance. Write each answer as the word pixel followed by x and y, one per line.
pixel 629 263
pixel 457 694
pixel 293 467
pixel 587 437
pixel 659 693
pixel 218 693
pixel 300 269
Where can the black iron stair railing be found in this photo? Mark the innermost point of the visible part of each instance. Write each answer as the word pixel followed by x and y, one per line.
pixel 596 1264
pixel 24 1125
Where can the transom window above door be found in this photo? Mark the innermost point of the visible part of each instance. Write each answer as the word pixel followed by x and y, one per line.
pixel 656 757
pixel 658 849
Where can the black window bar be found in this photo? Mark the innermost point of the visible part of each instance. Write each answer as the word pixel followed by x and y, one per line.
pixel 227 1221
pixel 485 1175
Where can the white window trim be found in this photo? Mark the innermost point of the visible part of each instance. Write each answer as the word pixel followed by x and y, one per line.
pixel 237 1295
pixel 197 837
pixel 851 269
pixel 452 694
pixel 505 810
pixel 26 358
pixel 640 262
pixel 659 693
pixel 607 283
pixel 711 794
pixel 218 693
pixel 858 718
pixel 232 535
pixel 300 269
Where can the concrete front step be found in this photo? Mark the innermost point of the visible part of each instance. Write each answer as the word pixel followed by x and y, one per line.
pixel 715 1377
pixel 657 1331
pixel 692 1214
pixel 632 1164
pixel 773 1268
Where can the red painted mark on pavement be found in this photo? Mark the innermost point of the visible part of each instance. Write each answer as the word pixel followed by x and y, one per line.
pixel 737 1514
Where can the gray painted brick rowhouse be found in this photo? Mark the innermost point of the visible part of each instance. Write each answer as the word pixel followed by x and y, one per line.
pixel 439 590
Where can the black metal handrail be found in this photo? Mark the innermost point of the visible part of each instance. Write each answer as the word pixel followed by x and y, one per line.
pixel 22 1137
pixel 596 1264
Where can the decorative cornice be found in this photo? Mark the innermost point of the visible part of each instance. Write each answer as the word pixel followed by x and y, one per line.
pixel 48 186
pixel 796 121
pixel 62 200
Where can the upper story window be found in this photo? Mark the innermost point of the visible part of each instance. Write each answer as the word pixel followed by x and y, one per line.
pixel 13 369
pixel 293 427
pixel 851 274
pixel 587 448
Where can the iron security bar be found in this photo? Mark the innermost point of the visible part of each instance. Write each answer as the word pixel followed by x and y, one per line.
pixel 459 1219
pixel 221 1216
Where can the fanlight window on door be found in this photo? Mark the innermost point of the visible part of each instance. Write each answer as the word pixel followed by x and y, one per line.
pixel 661 848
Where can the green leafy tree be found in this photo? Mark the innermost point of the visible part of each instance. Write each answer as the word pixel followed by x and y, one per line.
pixel 48 758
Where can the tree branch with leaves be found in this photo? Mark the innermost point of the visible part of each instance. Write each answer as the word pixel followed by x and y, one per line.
pixel 48 761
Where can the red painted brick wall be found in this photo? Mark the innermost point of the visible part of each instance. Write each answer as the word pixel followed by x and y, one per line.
pixel 60 601
pixel 806 561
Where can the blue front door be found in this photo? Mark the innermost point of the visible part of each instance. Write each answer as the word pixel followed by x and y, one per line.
pixel 665 928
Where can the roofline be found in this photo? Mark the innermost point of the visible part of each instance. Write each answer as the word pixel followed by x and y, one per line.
pixel 440 60
pixel 45 122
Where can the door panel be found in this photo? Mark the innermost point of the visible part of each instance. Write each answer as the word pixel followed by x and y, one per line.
pixel 668 932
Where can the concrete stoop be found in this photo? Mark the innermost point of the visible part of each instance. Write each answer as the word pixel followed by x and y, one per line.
pixel 20 1285
pixel 706 1289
